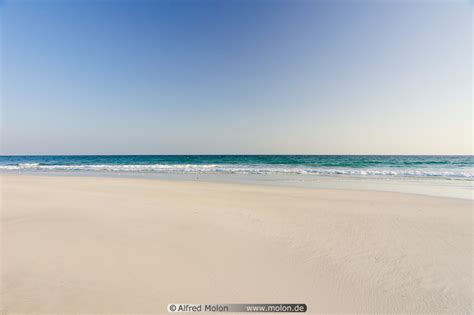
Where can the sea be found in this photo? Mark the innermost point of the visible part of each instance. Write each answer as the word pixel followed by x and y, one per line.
pixel 440 175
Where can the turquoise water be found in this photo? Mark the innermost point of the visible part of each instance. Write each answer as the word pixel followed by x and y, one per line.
pixel 449 176
pixel 443 167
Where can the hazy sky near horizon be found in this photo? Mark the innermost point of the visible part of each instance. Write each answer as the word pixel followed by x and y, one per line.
pixel 236 77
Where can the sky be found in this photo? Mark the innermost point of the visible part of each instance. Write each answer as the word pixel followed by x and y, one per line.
pixel 236 77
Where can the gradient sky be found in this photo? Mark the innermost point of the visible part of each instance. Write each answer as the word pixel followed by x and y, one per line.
pixel 191 77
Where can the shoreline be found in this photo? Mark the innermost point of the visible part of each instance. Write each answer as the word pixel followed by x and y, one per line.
pixel 422 187
pixel 84 244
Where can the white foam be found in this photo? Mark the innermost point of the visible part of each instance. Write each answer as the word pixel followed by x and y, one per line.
pixel 247 169
pixel 28 165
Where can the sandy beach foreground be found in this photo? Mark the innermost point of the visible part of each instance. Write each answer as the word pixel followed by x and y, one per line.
pixel 109 245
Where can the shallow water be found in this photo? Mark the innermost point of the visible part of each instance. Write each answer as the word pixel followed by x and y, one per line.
pixel 448 176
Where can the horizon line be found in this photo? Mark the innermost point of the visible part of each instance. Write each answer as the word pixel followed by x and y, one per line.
pixel 238 154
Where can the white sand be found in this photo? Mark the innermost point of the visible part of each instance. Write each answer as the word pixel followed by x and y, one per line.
pixel 72 244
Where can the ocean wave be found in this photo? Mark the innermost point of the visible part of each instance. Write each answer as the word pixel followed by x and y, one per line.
pixel 28 165
pixel 245 169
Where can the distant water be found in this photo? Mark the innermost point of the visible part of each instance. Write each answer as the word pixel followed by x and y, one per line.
pixel 443 167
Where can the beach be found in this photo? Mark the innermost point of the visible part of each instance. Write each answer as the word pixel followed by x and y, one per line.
pixel 73 244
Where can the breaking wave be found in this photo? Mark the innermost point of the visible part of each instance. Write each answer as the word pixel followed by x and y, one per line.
pixel 246 169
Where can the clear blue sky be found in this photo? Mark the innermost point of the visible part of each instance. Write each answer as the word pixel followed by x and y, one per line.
pixel 165 77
